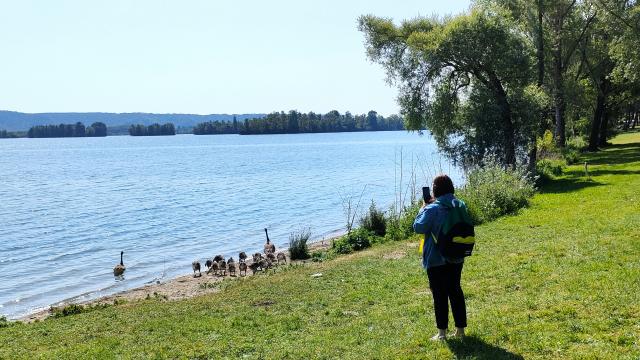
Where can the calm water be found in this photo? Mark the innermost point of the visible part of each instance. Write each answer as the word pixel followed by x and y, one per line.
pixel 68 206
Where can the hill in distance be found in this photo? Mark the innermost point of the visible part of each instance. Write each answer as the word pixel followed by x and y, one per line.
pixel 17 121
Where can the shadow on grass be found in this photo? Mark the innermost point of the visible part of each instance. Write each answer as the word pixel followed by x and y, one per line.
pixel 475 348
pixel 615 155
pixel 565 185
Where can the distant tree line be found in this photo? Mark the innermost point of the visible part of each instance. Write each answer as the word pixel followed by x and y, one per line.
pixel 152 130
pixel 78 129
pixel 295 122
pixel 216 127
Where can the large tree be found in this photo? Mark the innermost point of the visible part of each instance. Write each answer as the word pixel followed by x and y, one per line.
pixel 466 79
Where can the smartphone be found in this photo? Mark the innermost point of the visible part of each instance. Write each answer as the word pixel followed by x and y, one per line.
pixel 426 194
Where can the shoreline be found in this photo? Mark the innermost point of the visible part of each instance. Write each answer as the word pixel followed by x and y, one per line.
pixel 177 288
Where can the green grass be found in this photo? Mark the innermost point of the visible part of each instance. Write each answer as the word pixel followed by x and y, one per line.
pixel 559 280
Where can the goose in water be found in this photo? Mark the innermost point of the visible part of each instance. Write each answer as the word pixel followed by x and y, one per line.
pixel 120 268
pixel 268 247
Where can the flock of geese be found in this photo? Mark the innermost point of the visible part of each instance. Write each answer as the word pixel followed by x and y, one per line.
pixel 218 266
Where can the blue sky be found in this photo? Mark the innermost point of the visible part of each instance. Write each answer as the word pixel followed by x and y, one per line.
pixel 195 56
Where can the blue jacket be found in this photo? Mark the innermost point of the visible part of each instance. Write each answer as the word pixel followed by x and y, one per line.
pixel 429 221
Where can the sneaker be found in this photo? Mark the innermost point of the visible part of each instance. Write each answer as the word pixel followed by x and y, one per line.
pixel 439 337
pixel 459 333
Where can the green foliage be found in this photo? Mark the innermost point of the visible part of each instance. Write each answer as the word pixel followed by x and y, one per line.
pixel 152 130
pixel 374 221
pixel 358 239
pixel 491 191
pixel 4 322
pixel 548 169
pixel 78 129
pixel 319 256
pixel 546 146
pixel 298 249
pixel 400 227
pixel 73 309
pixel 577 143
pixel 571 156
pixel 467 79
pixel 333 121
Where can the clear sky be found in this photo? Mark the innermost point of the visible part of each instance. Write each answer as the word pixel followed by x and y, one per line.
pixel 195 56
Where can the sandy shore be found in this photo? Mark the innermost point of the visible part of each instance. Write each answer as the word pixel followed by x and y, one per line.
pixel 182 287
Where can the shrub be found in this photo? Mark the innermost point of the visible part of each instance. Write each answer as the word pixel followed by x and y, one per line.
pixel 492 191
pixel 571 156
pixel 356 240
pixel 547 170
pixel 400 226
pixel 546 146
pixel 374 221
pixel 298 249
pixel 4 322
pixel 576 143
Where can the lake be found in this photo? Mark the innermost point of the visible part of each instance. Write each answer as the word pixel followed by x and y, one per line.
pixel 69 206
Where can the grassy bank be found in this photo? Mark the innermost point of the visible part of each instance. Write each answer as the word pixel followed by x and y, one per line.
pixel 559 280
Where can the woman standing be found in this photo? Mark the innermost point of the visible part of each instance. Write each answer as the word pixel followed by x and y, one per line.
pixel 444 273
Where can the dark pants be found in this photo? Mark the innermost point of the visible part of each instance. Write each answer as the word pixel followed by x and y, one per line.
pixel 445 285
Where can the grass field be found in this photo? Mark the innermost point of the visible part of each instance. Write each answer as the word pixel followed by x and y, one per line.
pixel 559 280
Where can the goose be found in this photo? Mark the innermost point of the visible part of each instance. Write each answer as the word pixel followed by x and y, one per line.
pixel 281 257
pixel 242 256
pixel 120 268
pixel 268 247
pixel 196 267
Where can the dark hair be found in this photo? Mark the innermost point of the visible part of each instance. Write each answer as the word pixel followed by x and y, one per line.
pixel 442 185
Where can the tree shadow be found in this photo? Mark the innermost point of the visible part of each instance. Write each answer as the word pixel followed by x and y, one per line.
pixel 476 348
pixel 565 185
pixel 615 155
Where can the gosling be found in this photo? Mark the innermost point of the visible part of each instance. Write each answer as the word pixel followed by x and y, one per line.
pixel 196 267
pixel 281 257
pixel 223 267
pixel 214 268
pixel 242 256
pixel 242 267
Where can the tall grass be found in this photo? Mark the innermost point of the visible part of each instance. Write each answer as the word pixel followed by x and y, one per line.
pixel 298 249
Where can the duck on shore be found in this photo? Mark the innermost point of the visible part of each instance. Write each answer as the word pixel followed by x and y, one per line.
pixel 120 268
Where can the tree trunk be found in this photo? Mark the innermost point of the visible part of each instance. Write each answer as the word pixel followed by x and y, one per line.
pixel 604 125
pixel 558 79
pixel 540 45
pixel 558 95
pixel 509 139
pixel 533 151
pixel 595 125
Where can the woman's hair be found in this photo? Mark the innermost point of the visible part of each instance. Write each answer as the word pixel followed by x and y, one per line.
pixel 442 185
